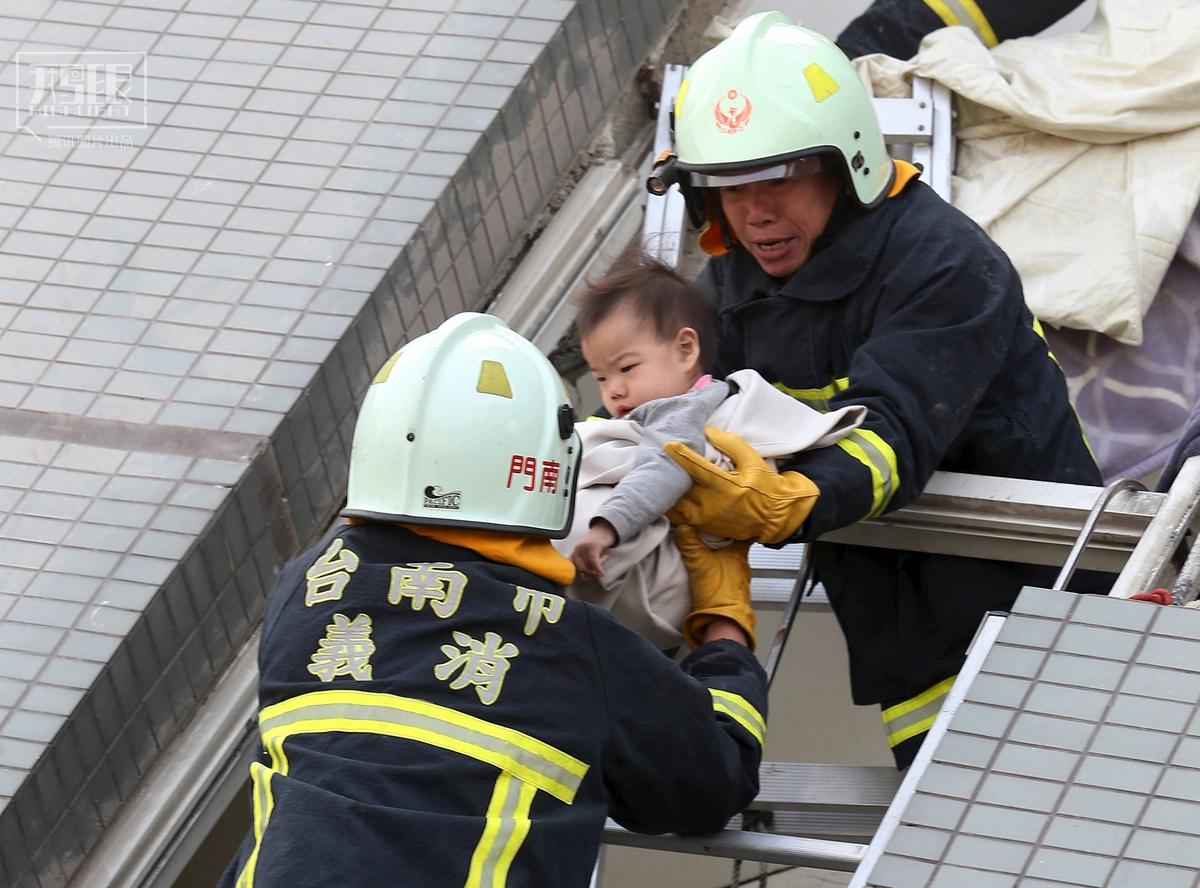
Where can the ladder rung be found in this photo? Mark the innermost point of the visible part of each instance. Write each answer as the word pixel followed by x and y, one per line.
pixel 781 563
pixel 835 826
pixel 770 594
pixel 737 844
pixel 904 120
pixel 792 786
pixel 773 577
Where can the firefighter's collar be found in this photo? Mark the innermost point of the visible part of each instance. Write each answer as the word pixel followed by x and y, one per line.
pixel 534 554
pixel 905 173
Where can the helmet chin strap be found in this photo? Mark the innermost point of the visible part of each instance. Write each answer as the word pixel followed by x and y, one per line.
pixel 724 223
pixel 843 210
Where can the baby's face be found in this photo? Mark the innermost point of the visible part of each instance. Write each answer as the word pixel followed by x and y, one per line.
pixel 633 366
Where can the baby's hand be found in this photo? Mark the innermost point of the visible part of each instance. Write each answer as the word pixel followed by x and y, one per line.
pixel 589 553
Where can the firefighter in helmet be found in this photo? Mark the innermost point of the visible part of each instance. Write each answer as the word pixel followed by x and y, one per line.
pixel 432 710
pixel 896 27
pixel 844 279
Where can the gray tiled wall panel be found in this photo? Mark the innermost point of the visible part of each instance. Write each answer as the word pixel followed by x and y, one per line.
pixel 217 218
pixel 1073 761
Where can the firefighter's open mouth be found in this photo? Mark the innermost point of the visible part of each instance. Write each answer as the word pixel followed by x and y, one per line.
pixel 772 245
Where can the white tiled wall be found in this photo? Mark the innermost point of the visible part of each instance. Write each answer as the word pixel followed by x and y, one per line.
pixel 195 286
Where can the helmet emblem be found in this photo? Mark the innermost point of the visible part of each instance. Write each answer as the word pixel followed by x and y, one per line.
pixel 436 498
pixel 732 112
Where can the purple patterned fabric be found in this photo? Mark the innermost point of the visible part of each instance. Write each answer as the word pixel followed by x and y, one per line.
pixel 1138 403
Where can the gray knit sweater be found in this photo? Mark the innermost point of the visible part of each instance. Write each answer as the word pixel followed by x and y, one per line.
pixel 656 481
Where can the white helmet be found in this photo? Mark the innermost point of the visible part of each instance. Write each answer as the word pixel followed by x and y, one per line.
pixel 775 100
pixel 467 426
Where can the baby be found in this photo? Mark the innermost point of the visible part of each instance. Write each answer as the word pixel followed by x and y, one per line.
pixel 648 336
pixel 646 342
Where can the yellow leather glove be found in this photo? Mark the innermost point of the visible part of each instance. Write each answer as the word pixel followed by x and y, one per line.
pixel 720 580
pixel 753 502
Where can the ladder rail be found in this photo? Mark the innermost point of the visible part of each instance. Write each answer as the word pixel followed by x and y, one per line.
pixel 1147 566
pixel 1089 527
pixel 1187 582
pixel 736 844
pixel 663 225
pixel 779 642
pixel 1012 519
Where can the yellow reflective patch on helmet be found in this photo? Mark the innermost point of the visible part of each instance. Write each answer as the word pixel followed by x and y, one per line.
pixel 820 82
pixel 683 88
pixel 493 380
pixel 386 370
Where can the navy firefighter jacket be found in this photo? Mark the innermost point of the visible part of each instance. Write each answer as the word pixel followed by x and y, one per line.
pixel 432 718
pixel 912 311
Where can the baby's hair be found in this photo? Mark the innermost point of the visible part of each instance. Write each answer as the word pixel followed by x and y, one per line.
pixel 657 294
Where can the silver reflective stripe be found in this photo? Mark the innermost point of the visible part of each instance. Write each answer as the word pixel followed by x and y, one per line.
pixel 800 166
pixel 526 758
pixel 506 829
pixel 896 726
pixel 880 461
pixel 739 709
pixel 916 715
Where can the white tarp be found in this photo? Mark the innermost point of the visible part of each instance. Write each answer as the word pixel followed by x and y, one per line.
pixel 1079 153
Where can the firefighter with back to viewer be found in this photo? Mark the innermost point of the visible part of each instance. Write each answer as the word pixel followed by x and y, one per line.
pixel 844 279
pixel 433 711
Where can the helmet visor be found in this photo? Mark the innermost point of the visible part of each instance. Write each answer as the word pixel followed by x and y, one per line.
pixel 788 169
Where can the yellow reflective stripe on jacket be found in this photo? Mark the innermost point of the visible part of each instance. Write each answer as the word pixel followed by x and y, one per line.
pixel 880 459
pixel 1041 332
pixel 865 446
pixel 264 804
pixel 739 709
pixel 966 13
pixel 526 758
pixel 916 715
pixel 816 398
pixel 505 828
